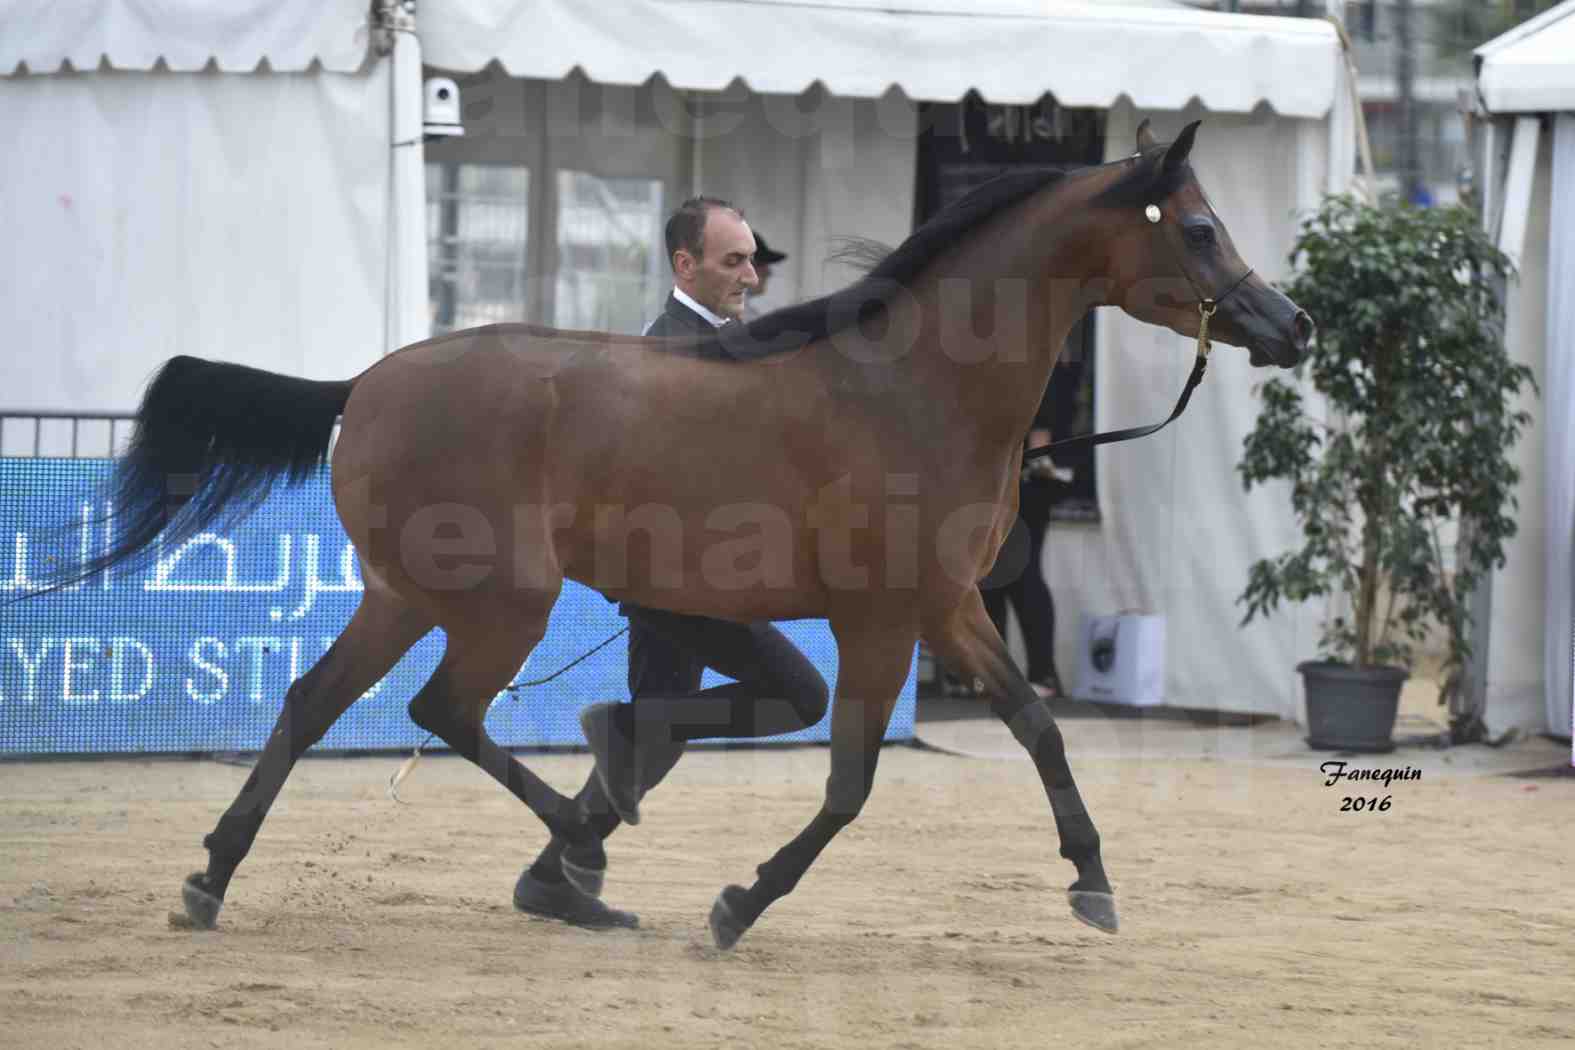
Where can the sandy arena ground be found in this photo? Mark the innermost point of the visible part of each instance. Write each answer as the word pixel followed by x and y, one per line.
pixel 1254 911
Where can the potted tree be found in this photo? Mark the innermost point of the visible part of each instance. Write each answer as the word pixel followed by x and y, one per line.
pixel 1421 398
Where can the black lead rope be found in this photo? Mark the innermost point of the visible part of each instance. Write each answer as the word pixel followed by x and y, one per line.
pixel 1198 366
pixel 415 756
pixel 1206 308
pixel 517 686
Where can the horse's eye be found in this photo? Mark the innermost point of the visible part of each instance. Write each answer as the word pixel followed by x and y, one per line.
pixel 1200 236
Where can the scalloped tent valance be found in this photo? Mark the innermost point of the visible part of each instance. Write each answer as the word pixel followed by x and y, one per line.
pixel 1010 51
pixel 238 36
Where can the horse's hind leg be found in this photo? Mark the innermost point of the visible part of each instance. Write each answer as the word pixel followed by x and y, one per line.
pixel 480 660
pixel 969 642
pixel 379 633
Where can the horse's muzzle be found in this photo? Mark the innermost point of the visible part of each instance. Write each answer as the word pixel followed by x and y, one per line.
pixel 1302 332
pixel 1286 345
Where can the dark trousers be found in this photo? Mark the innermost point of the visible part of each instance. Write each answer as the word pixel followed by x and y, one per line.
pixel 1017 580
pixel 775 689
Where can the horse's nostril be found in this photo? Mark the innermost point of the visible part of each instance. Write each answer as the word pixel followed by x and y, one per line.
pixel 1302 329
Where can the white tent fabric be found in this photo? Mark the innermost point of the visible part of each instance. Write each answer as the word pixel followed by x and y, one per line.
pixel 1558 405
pixel 1177 532
pixel 237 35
pixel 1531 69
pixel 150 214
pixel 1511 675
pixel 1011 51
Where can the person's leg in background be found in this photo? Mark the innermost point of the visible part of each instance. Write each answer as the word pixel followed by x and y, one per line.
pixel 1030 594
pixel 1000 587
pixel 995 604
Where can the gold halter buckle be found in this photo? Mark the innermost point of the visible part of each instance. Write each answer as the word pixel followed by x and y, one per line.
pixel 1206 308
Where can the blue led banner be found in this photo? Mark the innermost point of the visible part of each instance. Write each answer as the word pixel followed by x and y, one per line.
pixel 195 652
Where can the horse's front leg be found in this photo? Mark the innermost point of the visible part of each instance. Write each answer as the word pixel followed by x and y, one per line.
pixel 872 664
pixel 968 642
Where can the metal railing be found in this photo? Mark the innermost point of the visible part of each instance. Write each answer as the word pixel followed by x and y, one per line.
pixel 34 433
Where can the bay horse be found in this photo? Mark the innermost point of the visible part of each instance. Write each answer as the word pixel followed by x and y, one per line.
pixel 854 458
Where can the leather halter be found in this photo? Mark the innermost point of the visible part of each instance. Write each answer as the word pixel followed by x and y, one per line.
pixel 1206 307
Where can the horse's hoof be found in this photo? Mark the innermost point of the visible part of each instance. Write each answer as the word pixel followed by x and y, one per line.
pixel 1096 909
pixel 588 881
pixel 726 926
pixel 202 906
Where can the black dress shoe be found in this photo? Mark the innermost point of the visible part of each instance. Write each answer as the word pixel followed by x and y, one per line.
pixel 561 901
pixel 615 760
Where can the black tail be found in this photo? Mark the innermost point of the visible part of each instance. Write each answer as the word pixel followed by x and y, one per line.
pixel 211 439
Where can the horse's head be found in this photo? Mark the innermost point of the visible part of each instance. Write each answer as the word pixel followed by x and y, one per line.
pixel 1172 253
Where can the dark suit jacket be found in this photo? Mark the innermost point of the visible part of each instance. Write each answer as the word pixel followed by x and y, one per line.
pixel 675 319
pixel 678 319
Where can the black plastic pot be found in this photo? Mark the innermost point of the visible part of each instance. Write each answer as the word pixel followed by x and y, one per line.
pixel 1351 708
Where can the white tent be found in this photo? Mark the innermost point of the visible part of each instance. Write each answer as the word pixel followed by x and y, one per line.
pixel 1525 81
pixel 1528 69
pixel 190 178
pixel 246 185
pixel 1007 50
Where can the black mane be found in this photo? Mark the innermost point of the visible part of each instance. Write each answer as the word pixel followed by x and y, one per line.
pixel 792 327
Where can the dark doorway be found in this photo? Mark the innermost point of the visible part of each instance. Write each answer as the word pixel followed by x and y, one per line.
pixel 964 144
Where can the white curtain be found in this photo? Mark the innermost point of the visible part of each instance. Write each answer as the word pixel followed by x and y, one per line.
pixel 240 217
pixel 1558 406
pixel 1177 532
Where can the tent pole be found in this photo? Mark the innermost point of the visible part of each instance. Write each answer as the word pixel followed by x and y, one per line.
pixel 408 319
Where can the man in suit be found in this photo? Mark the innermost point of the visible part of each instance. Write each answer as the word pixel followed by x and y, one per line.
pixel 775 689
pixel 711 250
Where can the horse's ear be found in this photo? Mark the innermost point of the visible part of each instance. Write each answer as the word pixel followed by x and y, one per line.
pixel 1145 137
pixel 1176 155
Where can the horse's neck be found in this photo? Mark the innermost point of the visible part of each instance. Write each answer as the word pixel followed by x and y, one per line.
pixel 1036 267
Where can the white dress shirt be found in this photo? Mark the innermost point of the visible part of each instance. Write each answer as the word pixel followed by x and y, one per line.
pixel 684 297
